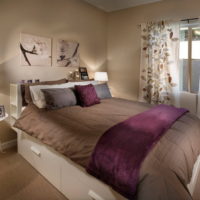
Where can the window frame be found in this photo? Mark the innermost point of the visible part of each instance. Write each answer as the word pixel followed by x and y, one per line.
pixel 190 27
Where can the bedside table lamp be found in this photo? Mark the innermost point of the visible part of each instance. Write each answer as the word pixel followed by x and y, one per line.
pixel 101 76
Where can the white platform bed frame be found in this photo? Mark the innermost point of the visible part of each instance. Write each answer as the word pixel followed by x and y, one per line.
pixel 68 177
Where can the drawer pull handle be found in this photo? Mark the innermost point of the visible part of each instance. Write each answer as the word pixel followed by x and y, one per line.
pixel 94 196
pixel 35 151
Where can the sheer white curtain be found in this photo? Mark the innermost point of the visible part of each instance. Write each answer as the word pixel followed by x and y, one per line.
pixel 159 66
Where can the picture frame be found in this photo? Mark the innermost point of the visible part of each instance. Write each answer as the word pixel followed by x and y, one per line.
pixel 35 50
pixel 83 73
pixel 37 80
pixel 2 111
pixel 67 53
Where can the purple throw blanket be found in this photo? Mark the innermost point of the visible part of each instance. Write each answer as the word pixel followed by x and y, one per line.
pixel 119 153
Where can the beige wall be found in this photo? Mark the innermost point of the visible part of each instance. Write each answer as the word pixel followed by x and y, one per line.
pixel 64 19
pixel 124 40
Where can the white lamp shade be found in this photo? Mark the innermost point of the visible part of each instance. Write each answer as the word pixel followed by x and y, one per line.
pixel 101 76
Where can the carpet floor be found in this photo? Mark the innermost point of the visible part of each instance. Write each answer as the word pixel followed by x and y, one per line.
pixel 20 181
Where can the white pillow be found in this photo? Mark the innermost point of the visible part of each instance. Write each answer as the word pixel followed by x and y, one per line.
pixel 38 96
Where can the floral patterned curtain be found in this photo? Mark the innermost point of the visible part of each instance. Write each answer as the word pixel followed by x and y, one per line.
pixel 159 77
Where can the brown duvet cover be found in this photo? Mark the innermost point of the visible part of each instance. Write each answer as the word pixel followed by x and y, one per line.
pixel 74 132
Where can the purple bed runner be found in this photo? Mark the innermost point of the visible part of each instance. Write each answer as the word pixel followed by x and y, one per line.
pixel 119 153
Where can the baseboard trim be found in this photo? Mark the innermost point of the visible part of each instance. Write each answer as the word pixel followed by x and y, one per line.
pixel 9 144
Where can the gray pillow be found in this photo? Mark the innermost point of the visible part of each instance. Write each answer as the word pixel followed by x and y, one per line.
pixel 103 91
pixel 59 98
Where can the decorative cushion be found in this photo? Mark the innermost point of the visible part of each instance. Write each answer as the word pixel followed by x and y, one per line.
pixel 26 88
pixel 38 96
pixel 87 95
pixel 59 98
pixel 102 90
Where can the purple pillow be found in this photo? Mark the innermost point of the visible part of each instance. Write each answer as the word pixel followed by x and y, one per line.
pixel 87 95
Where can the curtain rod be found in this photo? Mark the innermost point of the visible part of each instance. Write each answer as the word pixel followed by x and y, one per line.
pixel 189 19
pixel 182 20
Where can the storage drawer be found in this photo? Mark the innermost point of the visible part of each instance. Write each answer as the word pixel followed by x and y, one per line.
pixel 78 184
pixel 68 177
pixel 71 185
pixel 40 157
pixel 24 148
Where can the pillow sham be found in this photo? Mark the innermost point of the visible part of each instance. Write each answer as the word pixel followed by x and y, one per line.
pixel 103 91
pixel 38 96
pixel 26 88
pixel 87 95
pixel 59 98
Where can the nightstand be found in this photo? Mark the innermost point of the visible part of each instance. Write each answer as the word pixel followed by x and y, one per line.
pixel 1 119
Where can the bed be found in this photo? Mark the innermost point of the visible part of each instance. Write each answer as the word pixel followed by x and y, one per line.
pixel 168 172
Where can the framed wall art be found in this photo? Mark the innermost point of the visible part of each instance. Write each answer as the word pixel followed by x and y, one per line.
pixel 67 54
pixel 83 73
pixel 35 50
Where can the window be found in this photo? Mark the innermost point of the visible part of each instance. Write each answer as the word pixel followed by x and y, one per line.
pixel 190 57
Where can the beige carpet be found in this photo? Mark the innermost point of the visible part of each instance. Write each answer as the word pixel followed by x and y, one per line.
pixel 19 181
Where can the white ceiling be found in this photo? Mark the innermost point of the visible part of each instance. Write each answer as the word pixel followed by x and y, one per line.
pixel 113 5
